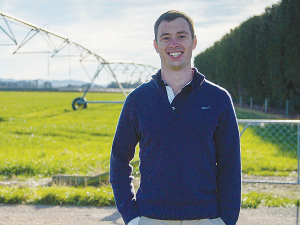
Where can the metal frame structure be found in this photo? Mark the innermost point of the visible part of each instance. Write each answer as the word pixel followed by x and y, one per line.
pixel 85 54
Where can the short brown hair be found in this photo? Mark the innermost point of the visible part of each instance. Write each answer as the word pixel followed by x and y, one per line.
pixel 172 15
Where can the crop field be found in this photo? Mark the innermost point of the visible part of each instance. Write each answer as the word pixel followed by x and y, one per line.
pixel 40 135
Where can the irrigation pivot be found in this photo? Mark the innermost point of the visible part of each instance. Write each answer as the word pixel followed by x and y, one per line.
pixel 57 44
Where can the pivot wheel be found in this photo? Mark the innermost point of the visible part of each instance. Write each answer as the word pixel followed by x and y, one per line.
pixel 79 103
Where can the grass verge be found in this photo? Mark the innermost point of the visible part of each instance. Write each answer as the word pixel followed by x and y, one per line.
pixel 103 196
pixel 254 199
pixel 58 195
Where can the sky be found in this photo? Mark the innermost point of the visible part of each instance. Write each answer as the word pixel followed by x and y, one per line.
pixel 114 29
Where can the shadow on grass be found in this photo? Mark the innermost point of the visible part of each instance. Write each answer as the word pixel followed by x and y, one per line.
pixel 283 136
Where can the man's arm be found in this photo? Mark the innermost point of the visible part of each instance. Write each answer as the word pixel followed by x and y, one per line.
pixel 227 141
pixel 123 149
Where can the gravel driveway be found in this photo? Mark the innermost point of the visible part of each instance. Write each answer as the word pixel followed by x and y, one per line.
pixel 72 215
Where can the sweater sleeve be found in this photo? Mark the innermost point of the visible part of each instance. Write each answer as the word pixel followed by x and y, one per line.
pixel 227 142
pixel 123 149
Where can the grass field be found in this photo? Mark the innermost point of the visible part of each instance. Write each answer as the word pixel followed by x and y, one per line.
pixel 40 135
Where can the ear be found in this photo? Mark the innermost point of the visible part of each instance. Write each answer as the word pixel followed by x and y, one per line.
pixel 195 42
pixel 155 45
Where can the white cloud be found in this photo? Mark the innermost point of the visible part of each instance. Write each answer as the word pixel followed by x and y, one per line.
pixel 119 30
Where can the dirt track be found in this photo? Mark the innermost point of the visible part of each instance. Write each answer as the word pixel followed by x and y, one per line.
pixel 72 215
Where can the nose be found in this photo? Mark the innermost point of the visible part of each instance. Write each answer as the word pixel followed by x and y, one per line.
pixel 174 43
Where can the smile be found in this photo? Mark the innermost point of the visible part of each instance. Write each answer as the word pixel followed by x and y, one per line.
pixel 175 54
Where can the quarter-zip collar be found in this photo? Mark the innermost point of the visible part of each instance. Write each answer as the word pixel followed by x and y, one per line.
pixel 198 79
pixel 178 102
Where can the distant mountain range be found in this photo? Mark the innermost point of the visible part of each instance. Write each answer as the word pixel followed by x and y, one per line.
pixel 55 83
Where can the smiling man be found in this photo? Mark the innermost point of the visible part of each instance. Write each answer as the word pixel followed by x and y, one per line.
pixel 187 131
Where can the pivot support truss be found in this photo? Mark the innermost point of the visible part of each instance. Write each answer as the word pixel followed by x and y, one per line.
pixel 56 43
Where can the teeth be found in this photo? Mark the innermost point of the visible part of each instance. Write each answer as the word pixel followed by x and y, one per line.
pixel 175 54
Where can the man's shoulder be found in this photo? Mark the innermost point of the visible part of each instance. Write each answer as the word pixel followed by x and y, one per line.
pixel 142 89
pixel 141 93
pixel 215 87
pixel 209 85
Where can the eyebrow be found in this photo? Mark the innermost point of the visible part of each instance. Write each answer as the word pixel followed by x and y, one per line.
pixel 180 32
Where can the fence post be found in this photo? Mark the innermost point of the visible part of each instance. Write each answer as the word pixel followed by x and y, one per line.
pixel 266 105
pixel 297 213
pixel 241 99
pixel 298 152
pixel 287 108
pixel 251 103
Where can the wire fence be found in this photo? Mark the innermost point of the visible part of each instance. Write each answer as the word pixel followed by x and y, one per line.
pixel 271 149
pixel 285 107
pixel 270 159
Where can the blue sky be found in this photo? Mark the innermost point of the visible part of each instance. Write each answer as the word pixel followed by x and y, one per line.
pixel 116 30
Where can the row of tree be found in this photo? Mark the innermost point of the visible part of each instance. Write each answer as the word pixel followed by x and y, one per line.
pixel 261 57
pixel 125 84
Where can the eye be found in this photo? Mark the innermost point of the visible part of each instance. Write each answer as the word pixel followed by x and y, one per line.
pixel 182 36
pixel 166 38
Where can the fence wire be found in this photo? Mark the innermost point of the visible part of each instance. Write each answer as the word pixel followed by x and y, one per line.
pixel 270 151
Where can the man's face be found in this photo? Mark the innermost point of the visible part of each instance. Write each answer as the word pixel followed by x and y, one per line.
pixel 175 44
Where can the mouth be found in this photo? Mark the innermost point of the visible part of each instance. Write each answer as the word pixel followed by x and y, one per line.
pixel 175 54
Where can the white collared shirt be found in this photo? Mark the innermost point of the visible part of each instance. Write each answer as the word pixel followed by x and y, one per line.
pixel 170 92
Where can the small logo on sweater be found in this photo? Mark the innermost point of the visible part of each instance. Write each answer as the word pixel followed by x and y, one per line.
pixel 205 107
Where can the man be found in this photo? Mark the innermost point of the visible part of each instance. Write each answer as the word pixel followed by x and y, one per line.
pixel 188 136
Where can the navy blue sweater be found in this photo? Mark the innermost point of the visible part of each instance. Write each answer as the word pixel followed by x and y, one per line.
pixel 189 162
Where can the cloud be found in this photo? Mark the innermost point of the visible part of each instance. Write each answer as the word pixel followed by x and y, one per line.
pixel 121 30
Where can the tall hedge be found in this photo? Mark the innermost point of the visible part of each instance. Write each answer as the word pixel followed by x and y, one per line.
pixel 261 57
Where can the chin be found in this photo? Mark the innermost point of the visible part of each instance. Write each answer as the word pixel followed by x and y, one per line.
pixel 178 66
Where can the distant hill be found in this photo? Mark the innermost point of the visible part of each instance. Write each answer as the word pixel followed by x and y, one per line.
pixel 63 83
pixel 55 83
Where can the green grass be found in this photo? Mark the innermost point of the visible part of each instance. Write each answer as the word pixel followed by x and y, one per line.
pixel 89 196
pixel 92 196
pixel 253 200
pixel 40 135
pixel 242 113
pixel 265 158
pixel 265 153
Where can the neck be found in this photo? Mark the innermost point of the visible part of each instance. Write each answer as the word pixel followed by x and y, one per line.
pixel 177 79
